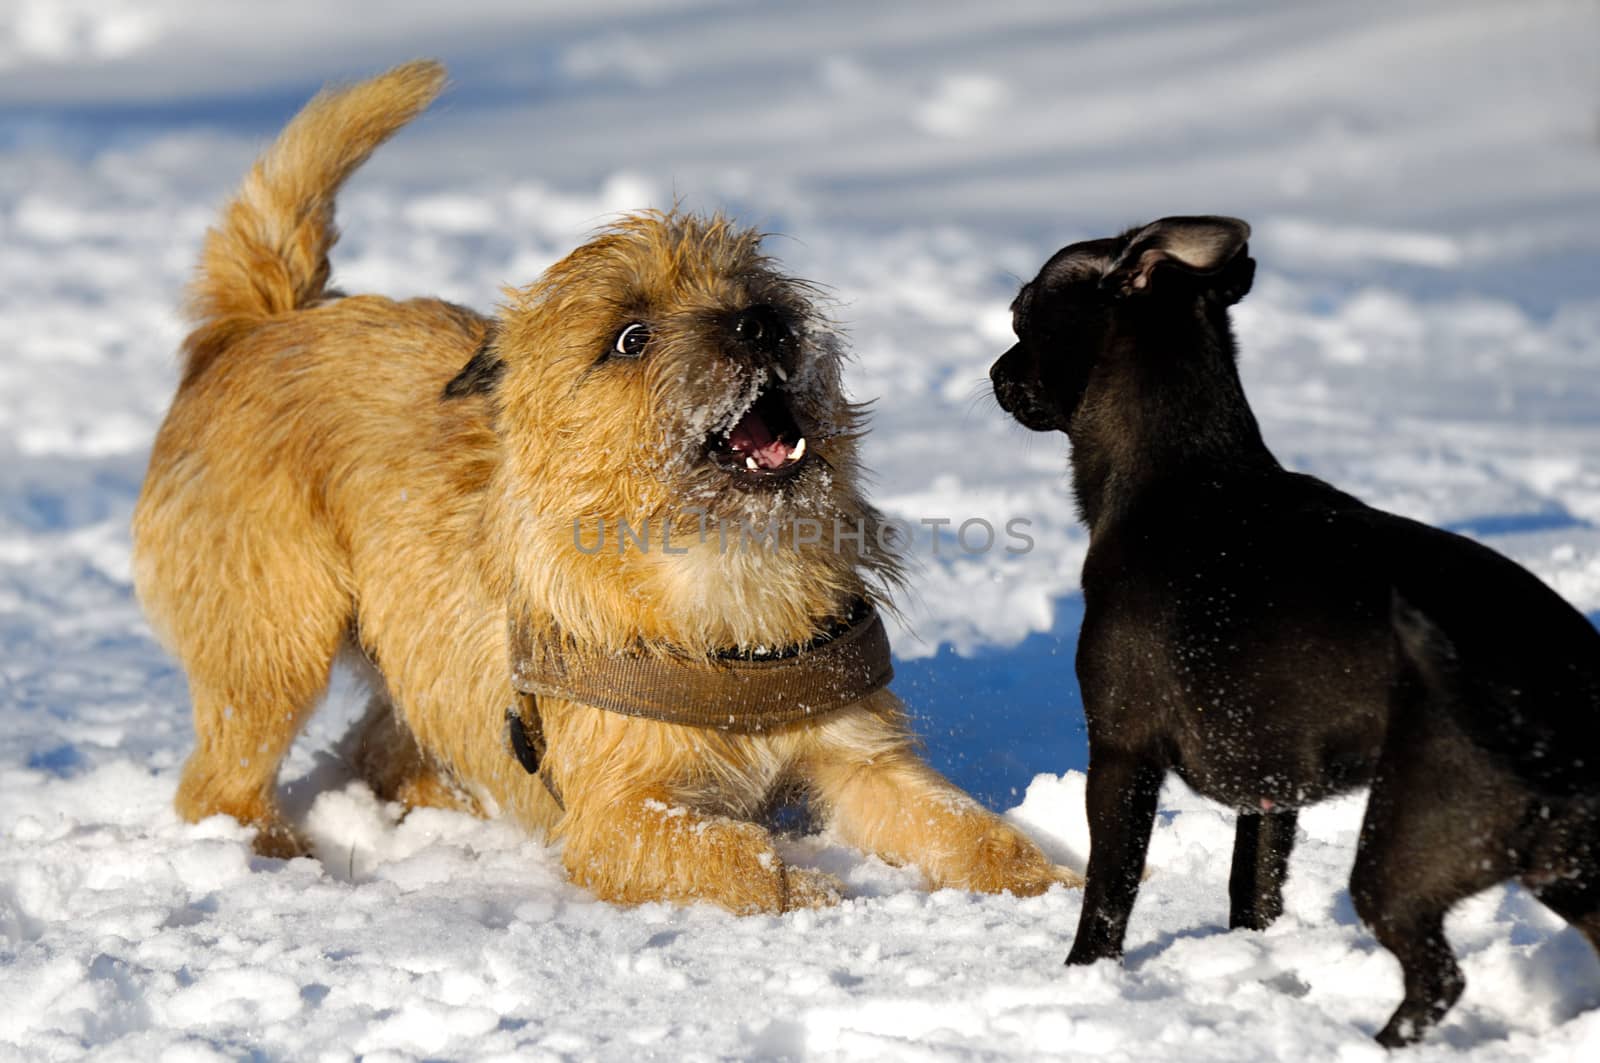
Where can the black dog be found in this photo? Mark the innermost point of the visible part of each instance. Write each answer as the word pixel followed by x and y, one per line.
pixel 1274 641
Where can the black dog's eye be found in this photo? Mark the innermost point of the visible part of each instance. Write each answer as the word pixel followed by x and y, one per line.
pixel 631 341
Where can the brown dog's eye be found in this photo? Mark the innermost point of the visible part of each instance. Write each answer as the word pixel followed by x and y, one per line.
pixel 631 341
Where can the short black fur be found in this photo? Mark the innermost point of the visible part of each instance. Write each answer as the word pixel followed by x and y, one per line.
pixel 1275 641
pixel 481 374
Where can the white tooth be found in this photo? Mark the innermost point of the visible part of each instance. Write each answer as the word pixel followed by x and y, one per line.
pixel 799 450
pixel 750 463
pixel 781 374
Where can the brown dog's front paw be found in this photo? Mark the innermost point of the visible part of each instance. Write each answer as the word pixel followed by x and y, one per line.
pixel 1067 877
pixel 1027 879
pixel 766 885
pixel 667 853
pixel 1004 861
pixel 806 888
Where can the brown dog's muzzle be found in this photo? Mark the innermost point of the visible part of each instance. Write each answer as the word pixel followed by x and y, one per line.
pixel 767 445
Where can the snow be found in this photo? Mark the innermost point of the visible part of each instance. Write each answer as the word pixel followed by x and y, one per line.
pixel 1423 181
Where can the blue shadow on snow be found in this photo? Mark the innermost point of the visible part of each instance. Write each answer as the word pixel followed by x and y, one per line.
pixel 994 720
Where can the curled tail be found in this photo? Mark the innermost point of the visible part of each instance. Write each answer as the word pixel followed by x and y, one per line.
pixel 269 252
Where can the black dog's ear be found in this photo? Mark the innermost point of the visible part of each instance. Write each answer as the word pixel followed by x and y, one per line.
pixel 1203 246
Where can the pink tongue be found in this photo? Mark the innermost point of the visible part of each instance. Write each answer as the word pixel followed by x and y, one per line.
pixel 752 438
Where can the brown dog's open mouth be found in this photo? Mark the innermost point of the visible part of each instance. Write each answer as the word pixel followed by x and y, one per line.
pixel 765 445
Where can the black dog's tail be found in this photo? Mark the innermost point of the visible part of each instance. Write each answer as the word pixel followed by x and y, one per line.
pixel 1539 725
pixel 1423 649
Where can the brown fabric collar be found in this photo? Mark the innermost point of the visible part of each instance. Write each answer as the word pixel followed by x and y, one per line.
pixel 739 694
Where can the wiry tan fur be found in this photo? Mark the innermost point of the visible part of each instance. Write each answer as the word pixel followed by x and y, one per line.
pixel 313 492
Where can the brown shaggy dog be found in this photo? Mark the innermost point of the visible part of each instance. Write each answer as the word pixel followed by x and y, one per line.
pixel 400 480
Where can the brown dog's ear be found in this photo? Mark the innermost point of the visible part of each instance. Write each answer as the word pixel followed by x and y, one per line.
pixel 1201 246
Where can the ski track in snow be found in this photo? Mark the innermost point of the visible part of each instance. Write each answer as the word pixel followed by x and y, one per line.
pixel 1421 334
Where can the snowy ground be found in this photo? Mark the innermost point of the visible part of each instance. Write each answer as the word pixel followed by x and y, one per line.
pixel 1425 184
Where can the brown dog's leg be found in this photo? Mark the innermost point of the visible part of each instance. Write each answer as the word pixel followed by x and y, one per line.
pixel 241 737
pixel 901 809
pixel 642 845
pixel 387 756
pixel 257 624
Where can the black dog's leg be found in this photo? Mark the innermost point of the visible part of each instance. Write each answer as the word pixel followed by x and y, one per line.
pixel 1430 839
pixel 1402 891
pixel 1261 847
pixel 1123 789
pixel 1409 924
pixel 1434 981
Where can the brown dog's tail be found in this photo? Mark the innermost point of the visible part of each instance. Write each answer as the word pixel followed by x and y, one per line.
pixel 269 253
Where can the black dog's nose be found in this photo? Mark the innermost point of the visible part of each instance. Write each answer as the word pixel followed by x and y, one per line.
pixel 761 328
pixel 1006 389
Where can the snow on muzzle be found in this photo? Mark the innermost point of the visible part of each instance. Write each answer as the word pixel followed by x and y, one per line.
pixel 766 443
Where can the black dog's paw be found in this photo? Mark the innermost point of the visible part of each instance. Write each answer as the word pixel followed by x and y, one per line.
pixel 1086 951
